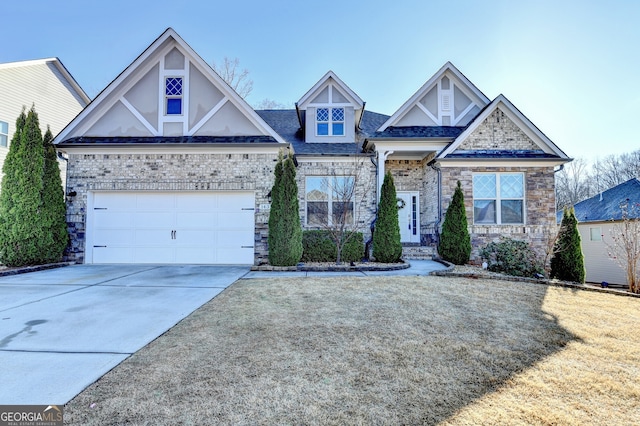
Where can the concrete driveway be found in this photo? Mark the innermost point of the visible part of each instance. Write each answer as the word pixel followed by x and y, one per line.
pixel 62 329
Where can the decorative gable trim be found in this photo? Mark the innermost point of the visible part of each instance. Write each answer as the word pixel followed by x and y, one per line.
pixel 152 60
pixel 523 123
pixel 443 102
pixel 330 78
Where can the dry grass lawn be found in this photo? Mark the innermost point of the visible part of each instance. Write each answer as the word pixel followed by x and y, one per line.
pixel 387 350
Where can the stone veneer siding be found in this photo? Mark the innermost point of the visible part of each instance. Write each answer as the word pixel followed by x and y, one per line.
pixel 366 197
pixel 540 209
pixel 167 172
pixel 497 131
pixel 416 175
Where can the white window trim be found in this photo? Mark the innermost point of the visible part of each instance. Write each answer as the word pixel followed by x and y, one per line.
pixel 330 201
pixel 6 135
pixel 167 97
pixel 498 199
pixel 330 120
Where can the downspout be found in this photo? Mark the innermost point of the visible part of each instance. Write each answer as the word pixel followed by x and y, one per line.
pixel 436 226
pixel 555 187
pixel 372 225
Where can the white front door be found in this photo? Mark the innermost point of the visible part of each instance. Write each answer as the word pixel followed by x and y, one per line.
pixel 409 216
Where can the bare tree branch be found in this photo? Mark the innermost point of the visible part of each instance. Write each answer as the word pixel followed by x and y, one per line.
pixel 235 77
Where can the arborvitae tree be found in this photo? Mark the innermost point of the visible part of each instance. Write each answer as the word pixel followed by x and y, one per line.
pixel 53 209
pixel 285 231
pixel 21 230
pixel 567 263
pixel 455 243
pixel 387 247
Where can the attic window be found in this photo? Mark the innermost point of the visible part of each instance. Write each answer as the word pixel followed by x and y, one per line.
pixel 330 122
pixel 173 96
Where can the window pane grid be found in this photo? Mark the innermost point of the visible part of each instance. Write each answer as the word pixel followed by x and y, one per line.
pixel 330 121
pixel 329 200
pixel 498 198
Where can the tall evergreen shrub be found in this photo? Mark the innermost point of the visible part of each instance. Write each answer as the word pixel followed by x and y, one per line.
pixel 285 231
pixel 386 236
pixel 455 242
pixel 21 228
pixel 567 263
pixel 53 209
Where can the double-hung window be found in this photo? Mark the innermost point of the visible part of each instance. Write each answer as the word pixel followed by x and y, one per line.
pixel 4 133
pixel 498 198
pixel 173 95
pixel 329 200
pixel 330 121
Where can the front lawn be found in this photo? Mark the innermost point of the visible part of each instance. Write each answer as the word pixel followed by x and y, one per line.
pixel 385 350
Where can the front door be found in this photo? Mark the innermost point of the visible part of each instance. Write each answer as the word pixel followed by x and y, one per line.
pixel 409 216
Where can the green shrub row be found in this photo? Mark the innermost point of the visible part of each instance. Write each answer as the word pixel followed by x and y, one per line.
pixel 512 257
pixel 317 246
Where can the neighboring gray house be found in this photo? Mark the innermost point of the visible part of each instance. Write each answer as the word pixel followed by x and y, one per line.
pixel 169 165
pixel 597 217
pixel 45 83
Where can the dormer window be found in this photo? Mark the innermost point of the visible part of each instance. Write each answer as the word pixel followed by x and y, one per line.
pixel 173 96
pixel 330 122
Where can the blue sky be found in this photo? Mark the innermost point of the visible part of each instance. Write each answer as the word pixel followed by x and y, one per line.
pixel 570 66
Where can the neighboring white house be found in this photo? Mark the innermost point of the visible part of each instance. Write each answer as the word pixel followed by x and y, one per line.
pixel 45 83
pixel 597 217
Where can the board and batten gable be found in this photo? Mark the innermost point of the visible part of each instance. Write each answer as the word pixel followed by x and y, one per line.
pixel 169 131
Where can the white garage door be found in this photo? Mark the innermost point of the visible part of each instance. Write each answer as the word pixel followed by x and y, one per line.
pixel 171 227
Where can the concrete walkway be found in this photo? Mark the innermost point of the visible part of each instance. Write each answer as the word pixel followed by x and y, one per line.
pixel 62 329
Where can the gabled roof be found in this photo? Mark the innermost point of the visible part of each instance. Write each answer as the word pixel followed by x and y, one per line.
pixel 547 147
pixel 414 100
pixel 606 205
pixel 325 80
pixel 116 90
pixel 59 66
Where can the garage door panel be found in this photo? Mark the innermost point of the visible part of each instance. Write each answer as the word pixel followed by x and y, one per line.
pixel 113 219
pixel 194 220
pixel 159 201
pixel 150 254
pixel 196 255
pixel 154 219
pixel 197 201
pixel 172 227
pixel 109 237
pixel 153 237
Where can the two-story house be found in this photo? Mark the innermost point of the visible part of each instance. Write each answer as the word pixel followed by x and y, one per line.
pixel 170 165
pixel 45 84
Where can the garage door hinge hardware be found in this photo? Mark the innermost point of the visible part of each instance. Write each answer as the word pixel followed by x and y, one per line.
pixel 173 235
pixel 246 246
pixel 99 246
pixel 99 208
pixel 247 208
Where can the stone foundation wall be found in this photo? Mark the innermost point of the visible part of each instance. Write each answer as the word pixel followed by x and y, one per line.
pixel 166 172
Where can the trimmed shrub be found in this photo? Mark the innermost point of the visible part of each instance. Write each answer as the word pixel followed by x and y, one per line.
pixel 21 227
pixel 512 257
pixel 318 246
pixel 567 263
pixel 387 247
pixel 455 242
pixel 285 231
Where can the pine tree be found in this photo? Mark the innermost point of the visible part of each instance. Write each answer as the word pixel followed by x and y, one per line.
pixel 285 231
pixel 567 263
pixel 387 247
pixel 21 230
pixel 53 220
pixel 455 242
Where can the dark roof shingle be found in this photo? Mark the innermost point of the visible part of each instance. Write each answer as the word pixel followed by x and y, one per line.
pixel 606 206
